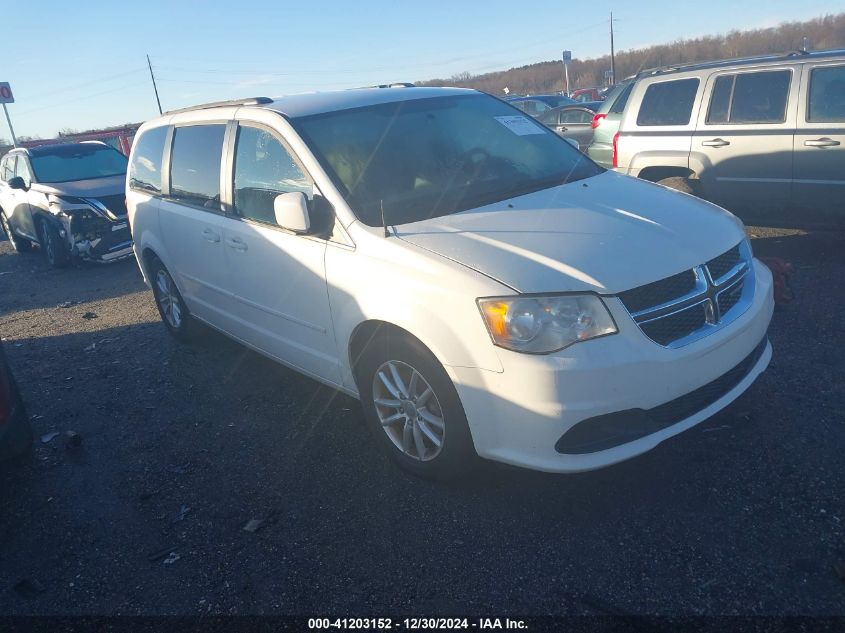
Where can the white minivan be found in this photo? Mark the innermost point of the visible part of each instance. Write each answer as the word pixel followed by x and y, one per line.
pixel 481 286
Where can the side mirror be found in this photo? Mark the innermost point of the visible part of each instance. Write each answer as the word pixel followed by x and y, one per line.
pixel 291 211
pixel 16 182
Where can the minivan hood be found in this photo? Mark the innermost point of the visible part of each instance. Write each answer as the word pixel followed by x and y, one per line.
pixel 91 188
pixel 605 234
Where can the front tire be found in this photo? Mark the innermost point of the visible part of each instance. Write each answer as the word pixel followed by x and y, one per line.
pixel 413 409
pixel 684 185
pixel 53 246
pixel 171 307
pixel 20 244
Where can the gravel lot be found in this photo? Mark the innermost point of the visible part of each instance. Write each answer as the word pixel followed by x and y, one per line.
pixel 183 445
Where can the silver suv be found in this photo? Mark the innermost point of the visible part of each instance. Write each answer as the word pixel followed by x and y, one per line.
pixel 67 199
pixel 763 136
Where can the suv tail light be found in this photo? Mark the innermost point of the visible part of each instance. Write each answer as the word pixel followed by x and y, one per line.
pixel 596 120
pixel 616 150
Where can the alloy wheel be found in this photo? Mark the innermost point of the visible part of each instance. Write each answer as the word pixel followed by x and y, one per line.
pixel 168 299
pixel 409 411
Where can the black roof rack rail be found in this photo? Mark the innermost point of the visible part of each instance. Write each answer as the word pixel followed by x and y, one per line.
pixel 219 104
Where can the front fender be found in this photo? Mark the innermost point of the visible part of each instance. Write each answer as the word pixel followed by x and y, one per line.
pixel 428 296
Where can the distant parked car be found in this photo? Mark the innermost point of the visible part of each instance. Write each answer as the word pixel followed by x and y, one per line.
pixel 762 136
pixel 68 199
pixel 606 123
pixel 588 94
pixel 535 105
pixel 15 431
pixel 572 122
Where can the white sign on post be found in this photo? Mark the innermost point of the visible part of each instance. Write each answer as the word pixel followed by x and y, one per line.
pixel 6 95
pixel 567 57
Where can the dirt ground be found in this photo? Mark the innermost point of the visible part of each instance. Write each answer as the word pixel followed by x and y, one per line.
pixel 182 446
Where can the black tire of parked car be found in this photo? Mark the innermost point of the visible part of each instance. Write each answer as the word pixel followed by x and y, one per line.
pixel 457 455
pixel 684 185
pixel 53 246
pixel 187 328
pixel 20 244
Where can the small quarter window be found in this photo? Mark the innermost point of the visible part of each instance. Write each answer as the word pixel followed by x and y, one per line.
pixel 145 170
pixel 668 103
pixel 195 165
pixel 827 95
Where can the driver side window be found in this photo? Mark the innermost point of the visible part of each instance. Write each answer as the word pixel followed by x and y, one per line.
pixel 23 171
pixel 264 168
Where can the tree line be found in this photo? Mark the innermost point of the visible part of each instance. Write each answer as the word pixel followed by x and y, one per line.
pixel 826 32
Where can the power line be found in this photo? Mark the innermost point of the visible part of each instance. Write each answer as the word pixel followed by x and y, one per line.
pixel 82 98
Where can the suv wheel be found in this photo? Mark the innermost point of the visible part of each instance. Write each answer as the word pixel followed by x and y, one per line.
pixel 684 185
pixel 53 246
pixel 413 410
pixel 174 313
pixel 20 244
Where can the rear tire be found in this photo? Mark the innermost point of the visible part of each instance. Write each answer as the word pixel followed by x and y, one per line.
pixel 53 246
pixel 20 244
pixel 171 307
pixel 684 185
pixel 433 430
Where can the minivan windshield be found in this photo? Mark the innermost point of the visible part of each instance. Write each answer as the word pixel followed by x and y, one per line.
pixel 81 161
pixel 431 157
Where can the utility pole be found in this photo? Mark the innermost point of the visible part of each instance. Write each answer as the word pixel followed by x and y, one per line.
pixel 612 54
pixel 153 77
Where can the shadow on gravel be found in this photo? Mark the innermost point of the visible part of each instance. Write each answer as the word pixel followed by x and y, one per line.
pixel 29 283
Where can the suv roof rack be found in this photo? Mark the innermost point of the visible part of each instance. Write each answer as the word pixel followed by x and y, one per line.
pixel 218 104
pixel 396 84
pixel 741 61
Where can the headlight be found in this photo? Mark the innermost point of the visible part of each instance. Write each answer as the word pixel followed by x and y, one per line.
pixel 540 325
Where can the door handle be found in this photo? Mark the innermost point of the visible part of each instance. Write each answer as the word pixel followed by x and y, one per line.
pixel 716 142
pixel 822 142
pixel 562 128
pixel 210 236
pixel 237 244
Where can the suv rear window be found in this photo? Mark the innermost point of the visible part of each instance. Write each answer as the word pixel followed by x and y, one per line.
pixel 668 103
pixel 145 170
pixel 195 165
pixel 750 98
pixel 621 99
pixel 827 94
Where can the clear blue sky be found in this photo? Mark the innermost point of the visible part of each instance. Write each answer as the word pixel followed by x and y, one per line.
pixel 81 64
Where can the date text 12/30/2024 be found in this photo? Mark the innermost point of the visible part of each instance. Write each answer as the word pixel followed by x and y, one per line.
pixel 435 624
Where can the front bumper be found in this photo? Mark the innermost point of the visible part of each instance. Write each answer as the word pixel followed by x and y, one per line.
pixel 103 241
pixel 519 415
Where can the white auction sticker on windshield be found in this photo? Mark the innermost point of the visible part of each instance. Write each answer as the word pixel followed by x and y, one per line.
pixel 520 125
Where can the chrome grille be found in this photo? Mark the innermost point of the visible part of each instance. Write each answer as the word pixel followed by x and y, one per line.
pixel 680 309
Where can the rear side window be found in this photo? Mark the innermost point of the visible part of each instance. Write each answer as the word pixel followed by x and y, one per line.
pixel 750 98
pixel 195 165
pixel 576 116
pixel 827 94
pixel 668 103
pixel 145 170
